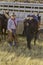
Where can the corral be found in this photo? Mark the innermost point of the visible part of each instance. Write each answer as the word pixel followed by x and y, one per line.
pixel 21 55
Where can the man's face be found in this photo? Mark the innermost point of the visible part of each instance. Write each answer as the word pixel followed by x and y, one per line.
pixel 13 16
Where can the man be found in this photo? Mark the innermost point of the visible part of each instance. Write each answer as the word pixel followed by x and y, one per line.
pixel 39 19
pixel 12 25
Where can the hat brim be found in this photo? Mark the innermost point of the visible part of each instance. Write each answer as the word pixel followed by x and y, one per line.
pixel 13 15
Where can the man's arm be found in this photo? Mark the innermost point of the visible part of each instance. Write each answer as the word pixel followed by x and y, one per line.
pixel 9 25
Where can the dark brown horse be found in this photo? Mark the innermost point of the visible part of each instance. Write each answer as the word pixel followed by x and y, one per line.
pixel 3 25
pixel 31 31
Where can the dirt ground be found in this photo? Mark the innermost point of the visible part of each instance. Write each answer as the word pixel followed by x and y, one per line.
pixel 21 55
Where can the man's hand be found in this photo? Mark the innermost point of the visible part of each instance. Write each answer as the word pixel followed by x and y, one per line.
pixel 10 30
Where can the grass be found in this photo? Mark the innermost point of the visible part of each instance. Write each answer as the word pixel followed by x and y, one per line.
pixel 21 55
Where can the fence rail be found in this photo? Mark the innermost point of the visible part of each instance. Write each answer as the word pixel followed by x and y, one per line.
pixel 22 10
pixel 21 6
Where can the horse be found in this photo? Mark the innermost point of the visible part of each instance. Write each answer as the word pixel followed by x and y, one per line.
pixel 31 31
pixel 3 26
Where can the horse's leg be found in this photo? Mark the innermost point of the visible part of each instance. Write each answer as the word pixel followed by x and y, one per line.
pixel 4 34
pixel 29 39
pixel 0 34
pixel 35 38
